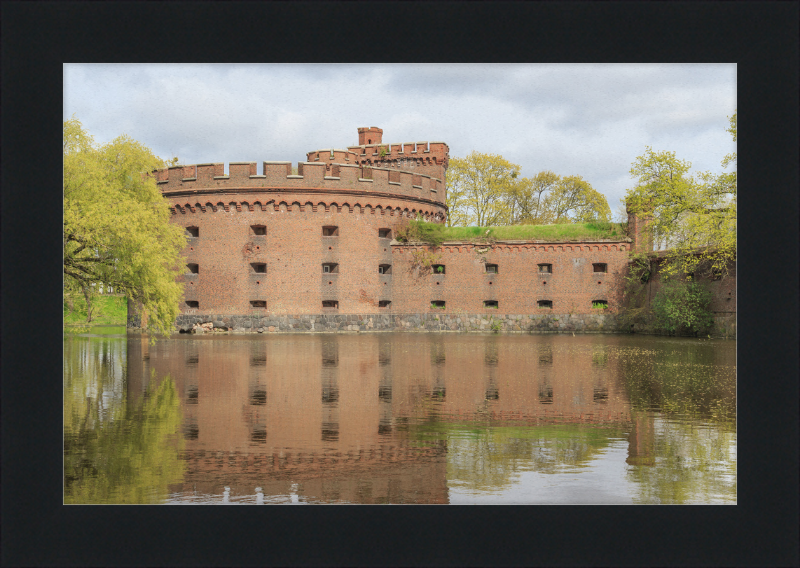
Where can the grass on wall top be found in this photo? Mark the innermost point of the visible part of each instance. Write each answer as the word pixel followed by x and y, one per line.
pixel 436 234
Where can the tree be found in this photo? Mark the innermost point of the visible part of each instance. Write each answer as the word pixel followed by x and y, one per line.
pixel 478 190
pixel 528 196
pixel 574 200
pixel 486 190
pixel 116 225
pixel 694 218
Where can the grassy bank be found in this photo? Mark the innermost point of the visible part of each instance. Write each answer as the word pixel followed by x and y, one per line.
pixel 108 310
pixel 436 234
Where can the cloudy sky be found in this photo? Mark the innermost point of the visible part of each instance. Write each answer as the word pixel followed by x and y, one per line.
pixel 589 120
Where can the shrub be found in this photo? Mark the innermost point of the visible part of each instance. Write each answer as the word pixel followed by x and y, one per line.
pixel 682 305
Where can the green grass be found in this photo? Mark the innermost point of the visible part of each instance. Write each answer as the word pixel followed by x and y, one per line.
pixel 436 234
pixel 108 310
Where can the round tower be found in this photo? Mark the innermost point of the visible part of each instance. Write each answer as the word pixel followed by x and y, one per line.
pixel 371 135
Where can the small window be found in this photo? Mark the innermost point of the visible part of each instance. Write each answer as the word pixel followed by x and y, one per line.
pixel 259 267
pixel 330 304
pixel 490 304
pixel 600 267
pixel 491 269
pixel 545 304
pixel 192 232
pixel 438 268
pixel 330 268
pixel 385 269
pixel 385 233
pixel 546 268
pixel 330 231
pixel 258 230
pixel 437 305
pixel 545 394
pixel 192 304
pixel 599 305
pixel 258 303
pixel 384 303
pixel 193 268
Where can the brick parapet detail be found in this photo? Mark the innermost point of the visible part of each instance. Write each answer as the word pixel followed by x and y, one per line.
pixel 318 176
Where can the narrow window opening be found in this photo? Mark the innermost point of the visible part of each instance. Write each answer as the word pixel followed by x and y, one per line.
pixel 259 267
pixel 490 304
pixel 330 304
pixel 600 267
pixel 545 304
pixel 192 304
pixel 193 268
pixel 258 230
pixel 330 231
pixel 384 303
pixel 437 305
pixel 258 303
pixel 385 269
pixel 545 395
pixel 192 232
pixel 438 268
pixel 330 268
pixel 545 268
pixel 599 304
pixel 385 233
pixel 491 269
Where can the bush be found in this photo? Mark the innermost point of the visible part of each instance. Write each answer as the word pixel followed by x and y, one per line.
pixel 682 305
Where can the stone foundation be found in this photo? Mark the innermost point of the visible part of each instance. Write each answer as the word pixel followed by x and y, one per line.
pixel 549 323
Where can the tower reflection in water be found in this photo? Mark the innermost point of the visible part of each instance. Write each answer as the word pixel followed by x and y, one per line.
pixel 359 418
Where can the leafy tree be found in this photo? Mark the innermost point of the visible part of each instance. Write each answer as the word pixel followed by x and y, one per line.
pixel 529 198
pixel 116 225
pixel 693 217
pixel 478 190
pixel 574 200
pixel 487 190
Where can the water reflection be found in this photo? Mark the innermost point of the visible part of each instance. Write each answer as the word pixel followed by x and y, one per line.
pixel 435 418
pixel 116 450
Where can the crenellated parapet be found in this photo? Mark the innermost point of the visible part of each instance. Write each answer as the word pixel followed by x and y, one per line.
pixel 311 177
pixel 428 158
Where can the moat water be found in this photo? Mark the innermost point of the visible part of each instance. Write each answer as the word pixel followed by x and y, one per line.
pixel 414 418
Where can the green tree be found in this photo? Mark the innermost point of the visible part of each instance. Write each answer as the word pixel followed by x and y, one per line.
pixel 487 190
pixel 694 218
pixel 529 198
pixel 478 190
pixel 116 225
pixel 574 200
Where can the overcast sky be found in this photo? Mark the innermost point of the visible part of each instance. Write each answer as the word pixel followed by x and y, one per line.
pixel 589 120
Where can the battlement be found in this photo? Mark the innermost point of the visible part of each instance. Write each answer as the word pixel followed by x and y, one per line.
pixel 311 175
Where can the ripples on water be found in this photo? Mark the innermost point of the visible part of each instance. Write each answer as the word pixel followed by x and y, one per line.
pixel 398 418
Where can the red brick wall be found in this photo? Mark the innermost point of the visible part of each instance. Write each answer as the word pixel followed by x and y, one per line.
pixel 518 285
pixel 293 249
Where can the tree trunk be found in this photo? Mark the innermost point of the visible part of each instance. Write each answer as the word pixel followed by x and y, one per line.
pixel 87 295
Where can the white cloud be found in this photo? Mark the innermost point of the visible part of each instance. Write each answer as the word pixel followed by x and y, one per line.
pixel 591 120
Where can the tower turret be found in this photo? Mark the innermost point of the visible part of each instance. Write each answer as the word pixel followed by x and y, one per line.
pixel 371 135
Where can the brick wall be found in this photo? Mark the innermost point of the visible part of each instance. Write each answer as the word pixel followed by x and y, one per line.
pixel 518 285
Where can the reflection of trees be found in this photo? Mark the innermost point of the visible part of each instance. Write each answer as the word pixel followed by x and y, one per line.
pixel 694 464
pixel 487 458
pixel 114 453
pixel 690 381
